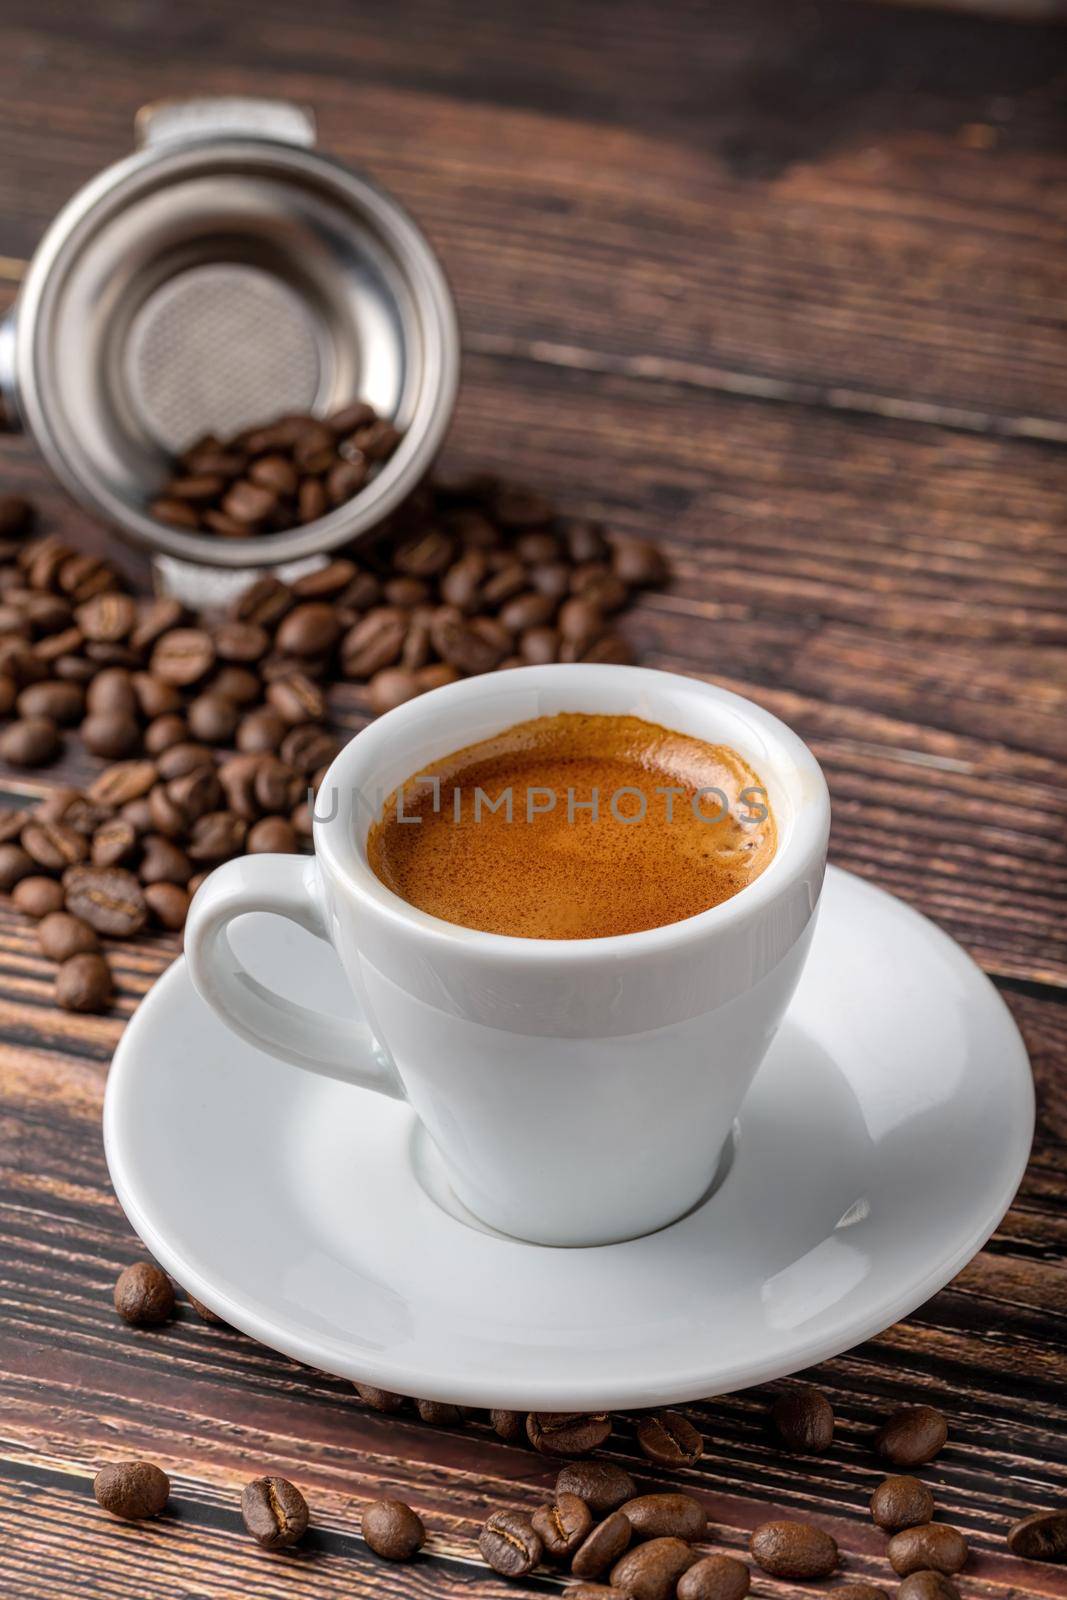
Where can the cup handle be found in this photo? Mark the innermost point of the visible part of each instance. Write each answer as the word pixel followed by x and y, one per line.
pixel 287 886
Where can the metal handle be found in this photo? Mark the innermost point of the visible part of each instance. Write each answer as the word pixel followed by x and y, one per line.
pixel 10 421
pixel 180 121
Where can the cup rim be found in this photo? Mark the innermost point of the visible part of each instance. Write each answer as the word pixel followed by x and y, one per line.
pixel 343 859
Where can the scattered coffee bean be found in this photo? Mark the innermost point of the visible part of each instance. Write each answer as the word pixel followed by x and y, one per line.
pixel 510 1544
pixel 439 1415
pixel 901 1502
pixel 274 1512
pixel 15 865
pixel 144 1295
pixel 718 1578
pixel 62 936
pixel 655 1516
pixel 793 1550
pixel 109 899
pixel 567 1433
pixel 509 1426
pixel 562 1525
pixel 83 983
pixel 602 1547
pixel 931 1547
pixel 383 1400
pixel 601 1484
pixel 132 1490
pixel 205 1313
pixel 652 1570
pixel 30 742
pixel 393 1530
pixel 37 897
pixel 1042 1537
pixel 912 1436
pixel 804 1420
pixel 927 1586
pixel 169 905
pixel 669 1439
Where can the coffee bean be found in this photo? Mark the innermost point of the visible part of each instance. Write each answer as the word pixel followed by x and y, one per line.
pixel 579 622
pixel 562 1525
pixel 567 1433
pixel 861 1591
pixel 217 836
pixel 109 899
pixel 927 1586
pixel 276 473
pixel 933 1546
pixel 392 687
pixel 460 584
pixel 346 478
pixel 276 786
pixel 16 516
pixel 804 1419
pixel 169 905
pixel 127 780
pixel 15 865
pixel 154 617
pixel 793 1550
pixel 652 1570
pixel 440 1415
pixel 425 555
pixel 638 563
pixel 393 1530
pixel 212 718
pixel 912 1436
pixel 296 699
pixel 53 845
pixel 107 617
pixel 111 737
pixel 175 513
pixel 1041 1537
pixel 655 1516
pixel 182 759
pixel 375 642
pixel 273 836
pixel 37 897
pixel 30 742
pixel 153 697
pixel 63 703
pixel 274 1512
pixel 132 1490
pixel 249 504
pixel 312 501
pixel 260 731
pixel 377 440
pixel 461 645
pixel 183 656
pixel 901 1502
pixel 383 1400
pixel 164 732
pixel 510 1544
pixel 436 676
pixel 314 450
pixel 163 862
pixel 308 748
pixel 602 1547
pixel 62 936
pixel 144 1295
pixel 311 629
pixel 669 1439
pixel 718 1578
pixel 603 1485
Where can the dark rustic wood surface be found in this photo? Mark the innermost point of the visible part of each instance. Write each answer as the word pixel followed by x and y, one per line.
pixel 783 286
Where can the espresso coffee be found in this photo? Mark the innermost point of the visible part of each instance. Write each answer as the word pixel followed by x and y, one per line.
pixel 575 826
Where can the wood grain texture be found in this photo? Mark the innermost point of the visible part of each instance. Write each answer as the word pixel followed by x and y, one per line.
pixel 782 287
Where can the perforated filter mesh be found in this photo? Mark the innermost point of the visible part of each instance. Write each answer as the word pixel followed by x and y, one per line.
pixel 219 349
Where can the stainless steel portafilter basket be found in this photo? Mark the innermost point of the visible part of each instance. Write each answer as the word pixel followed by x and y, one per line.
pixel 224 275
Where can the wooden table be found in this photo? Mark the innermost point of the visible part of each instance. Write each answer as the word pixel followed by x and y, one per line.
pixel 784 287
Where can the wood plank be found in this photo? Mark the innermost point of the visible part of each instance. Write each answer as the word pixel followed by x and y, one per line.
pixel 841 205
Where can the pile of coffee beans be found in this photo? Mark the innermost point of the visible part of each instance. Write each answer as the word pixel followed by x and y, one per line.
pixel 217 726
pixel 280 475
pixel 620 1543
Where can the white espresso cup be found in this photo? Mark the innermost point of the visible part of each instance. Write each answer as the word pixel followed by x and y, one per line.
pixel 578 1091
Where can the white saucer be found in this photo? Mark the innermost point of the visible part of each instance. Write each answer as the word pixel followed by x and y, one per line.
pixel 880 1145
